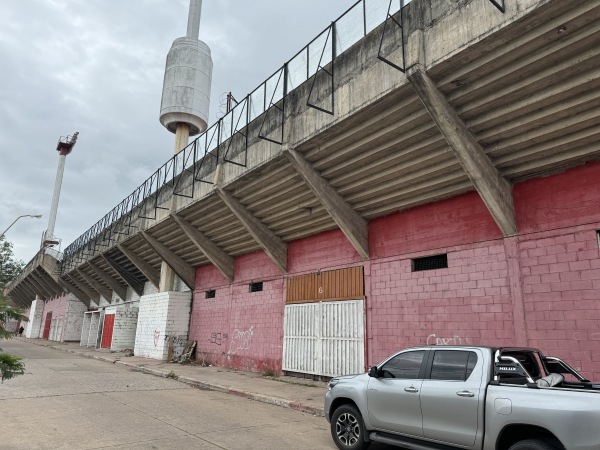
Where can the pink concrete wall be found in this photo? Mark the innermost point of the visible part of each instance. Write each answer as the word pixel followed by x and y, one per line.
pixel 238 328
pixel 325 251
pixel 561 266
pixel 468 303
pixel 460 220
pixel 58 307
pixel 541 288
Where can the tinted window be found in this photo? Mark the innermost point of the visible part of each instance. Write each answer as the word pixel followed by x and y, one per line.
pixel 453 365
pixel 405 365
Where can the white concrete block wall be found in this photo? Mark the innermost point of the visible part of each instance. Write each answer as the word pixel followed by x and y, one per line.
pixel 103 302
pixel 179 285
pixel 132 295
pixel 85 329
pixel 149 288
pixel 126 319
pixel 95 329
pixel 116 299
pixel 161 315
pixel 178 321
pixel 35 319
pixel 73 319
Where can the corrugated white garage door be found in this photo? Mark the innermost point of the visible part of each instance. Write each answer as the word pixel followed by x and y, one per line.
pixel 325 338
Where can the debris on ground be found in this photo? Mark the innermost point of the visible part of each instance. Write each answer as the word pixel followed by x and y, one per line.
pixel 188 353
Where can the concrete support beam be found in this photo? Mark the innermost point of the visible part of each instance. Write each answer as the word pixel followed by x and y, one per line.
pixel 41 290
pixel 179 266
pixel 89 292
pixel 215 254
pixel 149 272
pixel 27 290
pixel 347 219
pixel 98 287
pixel 51 281
pixel 494 189
pixel 269 241
pixel 131 281
pixel 33 288
pixel 19 298
pixel 119 289
pixel 51 287
pixel 70 287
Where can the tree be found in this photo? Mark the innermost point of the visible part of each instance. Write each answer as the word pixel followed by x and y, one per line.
pixel 10 365
pixel 9 267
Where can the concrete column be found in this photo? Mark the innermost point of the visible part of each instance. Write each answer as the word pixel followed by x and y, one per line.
pixel 35 319
pixel 167 275
pixel 182 137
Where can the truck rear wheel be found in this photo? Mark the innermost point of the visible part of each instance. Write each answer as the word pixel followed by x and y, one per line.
pixel 532 444
pixel 348 429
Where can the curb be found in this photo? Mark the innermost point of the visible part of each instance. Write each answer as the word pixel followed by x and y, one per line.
pixel 276 401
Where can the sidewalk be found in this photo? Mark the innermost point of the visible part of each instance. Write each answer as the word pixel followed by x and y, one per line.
pixel 288 392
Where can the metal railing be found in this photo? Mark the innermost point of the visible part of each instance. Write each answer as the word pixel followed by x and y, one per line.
pixel 315 58
pixel 359 20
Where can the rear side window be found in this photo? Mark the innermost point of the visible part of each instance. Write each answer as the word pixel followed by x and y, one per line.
pixel 404 366
pixel 453 365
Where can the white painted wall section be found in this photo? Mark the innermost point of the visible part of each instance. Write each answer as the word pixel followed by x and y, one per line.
pixel 163 319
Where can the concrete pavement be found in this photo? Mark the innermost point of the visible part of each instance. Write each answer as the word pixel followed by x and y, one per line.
pixel 288 392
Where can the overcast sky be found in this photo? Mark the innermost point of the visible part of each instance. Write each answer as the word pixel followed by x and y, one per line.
pixel 96 66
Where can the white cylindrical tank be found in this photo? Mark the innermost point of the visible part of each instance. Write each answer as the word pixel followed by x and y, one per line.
pixel 188 75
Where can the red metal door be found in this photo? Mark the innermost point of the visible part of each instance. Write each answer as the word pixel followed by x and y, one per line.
pixel 107 332
pixel 46 334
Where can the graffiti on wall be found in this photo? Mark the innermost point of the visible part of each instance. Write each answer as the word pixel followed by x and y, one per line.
pixel 175 340
pixel 432 339
pixel 218 338
pixel 241 340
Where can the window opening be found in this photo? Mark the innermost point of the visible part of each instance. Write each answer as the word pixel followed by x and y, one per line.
pixel 256 287
pixel 210 294
pixel 430 263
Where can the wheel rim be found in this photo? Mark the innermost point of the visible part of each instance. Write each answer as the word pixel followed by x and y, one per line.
pixel 347 429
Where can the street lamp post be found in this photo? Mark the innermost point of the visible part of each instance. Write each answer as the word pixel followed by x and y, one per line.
pixel 35 216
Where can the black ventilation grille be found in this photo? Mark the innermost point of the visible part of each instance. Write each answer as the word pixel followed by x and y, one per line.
pixel 430 263
pixel 256 287
pixel 210 294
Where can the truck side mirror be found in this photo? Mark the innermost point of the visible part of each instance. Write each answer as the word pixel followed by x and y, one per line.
pixel 374 372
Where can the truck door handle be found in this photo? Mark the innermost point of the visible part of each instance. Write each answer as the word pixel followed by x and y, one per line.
pixel 411 389
pixel 465 394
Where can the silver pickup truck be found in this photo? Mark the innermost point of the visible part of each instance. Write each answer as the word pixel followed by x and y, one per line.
pixel 466 397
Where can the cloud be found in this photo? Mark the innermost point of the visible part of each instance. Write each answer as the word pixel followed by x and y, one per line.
pixel 96 66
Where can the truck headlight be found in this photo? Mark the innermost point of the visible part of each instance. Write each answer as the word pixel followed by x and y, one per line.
pixel 333 382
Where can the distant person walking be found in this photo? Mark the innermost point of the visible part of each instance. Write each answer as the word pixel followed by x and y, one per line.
pixel 21 331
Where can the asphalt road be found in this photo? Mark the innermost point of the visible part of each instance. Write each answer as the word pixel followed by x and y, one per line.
pixel 70 402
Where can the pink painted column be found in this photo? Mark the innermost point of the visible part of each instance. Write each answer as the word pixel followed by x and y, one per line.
pixel 511 246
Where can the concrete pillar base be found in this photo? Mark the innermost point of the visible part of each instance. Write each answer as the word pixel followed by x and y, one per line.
pixel 163 322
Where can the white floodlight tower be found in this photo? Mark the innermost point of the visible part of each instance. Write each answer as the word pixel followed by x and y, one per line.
pixel 186 87
pixel 64 147
pixel 186 96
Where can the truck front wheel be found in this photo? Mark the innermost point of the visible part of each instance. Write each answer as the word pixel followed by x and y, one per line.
pixel 347 429
pixel 532 444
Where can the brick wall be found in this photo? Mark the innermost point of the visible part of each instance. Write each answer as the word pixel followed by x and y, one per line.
pixel 467 303
pixel 540 288
pixel 161 316
pixel 85 329
pixel 34 325
pixel 58 307
pixel 126 319
pixel 322 252
pixel 238 328
pixel 74 319
pixel 558 218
